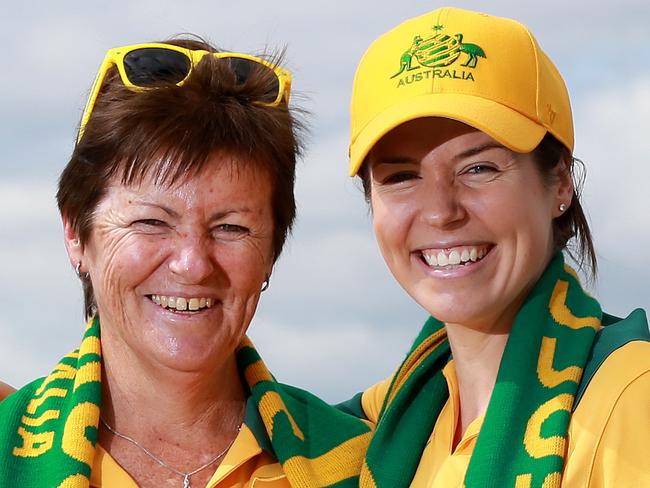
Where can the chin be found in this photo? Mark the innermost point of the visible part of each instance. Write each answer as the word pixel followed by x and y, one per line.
pixel 188 354
pixel 189 363
pixel 452 309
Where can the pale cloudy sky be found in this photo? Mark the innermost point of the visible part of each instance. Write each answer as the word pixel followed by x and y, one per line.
pixel 333 321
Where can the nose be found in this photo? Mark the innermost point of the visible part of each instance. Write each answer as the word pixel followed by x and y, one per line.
pixel 191 260
pixel 440 204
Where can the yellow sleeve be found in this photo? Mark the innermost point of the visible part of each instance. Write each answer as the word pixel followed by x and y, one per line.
pixel 373 399
pixel 609 433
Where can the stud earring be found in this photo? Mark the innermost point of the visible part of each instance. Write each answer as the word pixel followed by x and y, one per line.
pixel 562 207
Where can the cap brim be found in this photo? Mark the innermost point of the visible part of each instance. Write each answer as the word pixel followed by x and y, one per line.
pixel 509 127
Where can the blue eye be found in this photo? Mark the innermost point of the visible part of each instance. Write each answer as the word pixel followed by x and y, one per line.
pixel 479 169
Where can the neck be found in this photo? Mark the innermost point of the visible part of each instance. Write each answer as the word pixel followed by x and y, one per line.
pixel 477 356
pixel 172 405
pixel 187 419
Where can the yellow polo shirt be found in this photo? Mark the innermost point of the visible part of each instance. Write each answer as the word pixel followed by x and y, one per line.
pixel 608 438
pixel 246 465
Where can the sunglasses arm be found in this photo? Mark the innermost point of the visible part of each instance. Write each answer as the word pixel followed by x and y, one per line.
pixel 94 92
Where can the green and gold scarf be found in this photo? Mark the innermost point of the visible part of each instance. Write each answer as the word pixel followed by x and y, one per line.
pixel 523 437
pixel 48 429
pixel 522 443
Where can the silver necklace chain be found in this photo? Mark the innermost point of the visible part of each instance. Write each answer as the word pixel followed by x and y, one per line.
pixel 186 476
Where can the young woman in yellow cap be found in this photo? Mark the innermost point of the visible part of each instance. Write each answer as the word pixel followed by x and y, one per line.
pixel 462 135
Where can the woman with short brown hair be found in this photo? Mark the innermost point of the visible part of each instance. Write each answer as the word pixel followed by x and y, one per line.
pixel 176 203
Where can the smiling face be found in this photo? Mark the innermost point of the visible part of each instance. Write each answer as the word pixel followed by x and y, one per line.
pixel 464 224
pixel 177 270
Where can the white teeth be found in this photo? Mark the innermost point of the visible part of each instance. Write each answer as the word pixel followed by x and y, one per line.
pixel 454 257
pixel 182 304
pixel 430 259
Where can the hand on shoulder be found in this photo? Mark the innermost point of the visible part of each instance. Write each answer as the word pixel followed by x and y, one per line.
pixel 5 390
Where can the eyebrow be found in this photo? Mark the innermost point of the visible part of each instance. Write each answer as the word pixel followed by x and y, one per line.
pixel 214 216
pixel 395 160
pixel 472 151
pixel 224 213
pixel 168 210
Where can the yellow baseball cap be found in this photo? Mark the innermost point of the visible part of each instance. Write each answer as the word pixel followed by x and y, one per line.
pixel 486 71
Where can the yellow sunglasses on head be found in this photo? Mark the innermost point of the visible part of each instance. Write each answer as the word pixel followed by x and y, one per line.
pixel 144 66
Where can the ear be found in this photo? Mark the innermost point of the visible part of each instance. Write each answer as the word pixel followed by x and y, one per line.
pixel 564 189
pixel 72 243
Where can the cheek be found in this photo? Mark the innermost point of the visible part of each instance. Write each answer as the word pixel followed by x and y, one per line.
pixel 123 262
pixel 246 264
pixel 391 222
pixel 242 273
pixel 520 222
pixel 533 217
pixel 382 223
pixel 517 209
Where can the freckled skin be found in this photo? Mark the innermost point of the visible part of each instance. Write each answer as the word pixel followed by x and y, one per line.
pixel 424 193
pixel 210 236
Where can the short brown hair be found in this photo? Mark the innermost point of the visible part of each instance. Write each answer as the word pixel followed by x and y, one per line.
pixel 170 132
pixel 571 224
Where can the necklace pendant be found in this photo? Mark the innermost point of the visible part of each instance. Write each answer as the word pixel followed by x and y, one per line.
pixel 186 481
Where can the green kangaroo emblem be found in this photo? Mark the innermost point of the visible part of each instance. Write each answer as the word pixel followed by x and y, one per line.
pixel 405 60
pixel 438 50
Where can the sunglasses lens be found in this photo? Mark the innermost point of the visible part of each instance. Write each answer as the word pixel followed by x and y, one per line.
pixel 242 69
pixel 149 66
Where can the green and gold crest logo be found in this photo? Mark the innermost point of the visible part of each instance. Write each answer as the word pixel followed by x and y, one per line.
pixel 438 51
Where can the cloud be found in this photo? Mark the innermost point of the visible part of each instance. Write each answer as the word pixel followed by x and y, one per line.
pixel 343 357
pixel 39 294
pixel 334 319
pixel 615 127
pixel 27 203
pixel 612 137
pixel 18 363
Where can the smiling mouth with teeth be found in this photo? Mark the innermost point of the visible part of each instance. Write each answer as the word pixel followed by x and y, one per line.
pixel 181 304
pixel 454 256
